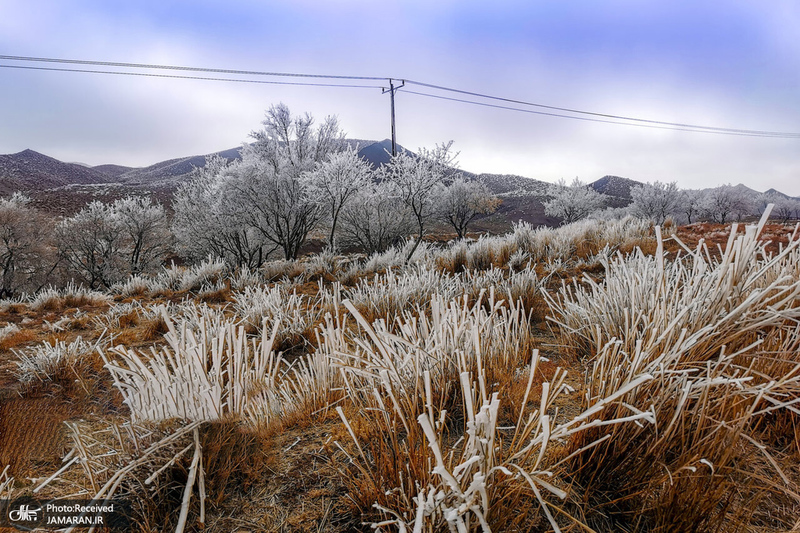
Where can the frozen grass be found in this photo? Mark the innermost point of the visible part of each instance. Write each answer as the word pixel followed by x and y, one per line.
pixel 44 361
pixel 581 239
pixel 283 269
pixel 174 279
pixel 275 307
pixel 6 484
pixel 388 295
pixel 449 418
pixel 8 330
pixel 396 257
pixel 136 285
pixel 245 277
pixel 72 295
pixel 195 277
pixel 428 423
pixel 720 339
pixel 208 369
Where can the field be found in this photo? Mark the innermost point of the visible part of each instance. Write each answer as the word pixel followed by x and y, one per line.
pixel 603 376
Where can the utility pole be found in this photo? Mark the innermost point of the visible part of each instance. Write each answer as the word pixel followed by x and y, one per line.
pixel 391 90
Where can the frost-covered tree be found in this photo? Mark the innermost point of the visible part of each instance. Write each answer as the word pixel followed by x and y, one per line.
pixel 784 207
pixel 655 201
pixel 334 184
pixel 690 204
pixel 25 246
pixel 91 243
pixel 209 218
pixel 376 219
pixel 146 231
pixel 272 179
pixel 461 201
pixel 245 210
pixel 275 204
pixel 727 202
pixel 572 202
pixel 416 178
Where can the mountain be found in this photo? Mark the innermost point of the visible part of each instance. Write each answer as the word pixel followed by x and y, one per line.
pixel 32 171
pixel 376 152
pixel 167 173
pixel 782 195
pixel 615 186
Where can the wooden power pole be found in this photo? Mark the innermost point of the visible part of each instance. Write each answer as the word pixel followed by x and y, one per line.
pixel 391 90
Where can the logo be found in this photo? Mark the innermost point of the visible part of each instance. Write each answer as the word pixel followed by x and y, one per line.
pixel 24 513
pixel 28 514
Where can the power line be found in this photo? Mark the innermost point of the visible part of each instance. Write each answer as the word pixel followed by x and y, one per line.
pixel 203 78
pixel 602 117
pixel 605 115
pixel 190 69
pixel 588 119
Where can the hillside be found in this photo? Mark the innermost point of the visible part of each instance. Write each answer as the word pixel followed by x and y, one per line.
pixel 113 171
pixel 615 186
pixel 167 173
pixel 32 171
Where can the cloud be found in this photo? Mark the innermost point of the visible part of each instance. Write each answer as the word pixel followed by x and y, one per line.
pixel 731 64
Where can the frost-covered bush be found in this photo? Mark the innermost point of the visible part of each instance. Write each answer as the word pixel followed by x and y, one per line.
pixel 70 296
pixel 209 369
pixel 277 308
pixel 387 295
pixel 42 362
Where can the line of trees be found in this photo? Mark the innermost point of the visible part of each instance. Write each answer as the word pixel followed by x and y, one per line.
pixel 659 201
pixel 296 178
pixel 98 246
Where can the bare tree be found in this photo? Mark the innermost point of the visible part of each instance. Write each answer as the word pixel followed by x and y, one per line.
pixel 572 202
pixel 25 246
pixel 655 201
pixel 335 182
pixel 461 201
pixel 376 219
pixel 415 179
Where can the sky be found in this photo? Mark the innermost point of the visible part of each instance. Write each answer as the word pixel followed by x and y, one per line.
pixel 727 63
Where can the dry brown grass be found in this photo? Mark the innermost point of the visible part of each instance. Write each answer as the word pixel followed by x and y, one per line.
pixel 17 338
pixel 32 436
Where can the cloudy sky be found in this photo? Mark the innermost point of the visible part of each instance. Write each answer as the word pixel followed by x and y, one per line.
pixel 726 63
